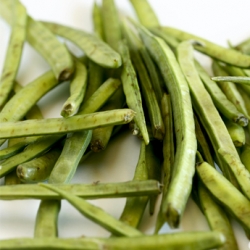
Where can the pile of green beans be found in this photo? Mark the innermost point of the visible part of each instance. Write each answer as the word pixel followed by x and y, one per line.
pixel 135 75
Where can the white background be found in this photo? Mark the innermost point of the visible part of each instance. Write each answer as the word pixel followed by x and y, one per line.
pixel 215 20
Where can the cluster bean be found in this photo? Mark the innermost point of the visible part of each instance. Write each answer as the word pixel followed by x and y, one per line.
pixel 140 73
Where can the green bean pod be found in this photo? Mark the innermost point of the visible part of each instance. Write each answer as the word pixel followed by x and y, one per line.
pixel 97 21
pixel 47 219
pixel 78 87
pixel 38 169
pixel 230 89
pixel 12 150
pixel 168 156
pixel 171 241
pixel 245 156
pixel 220 100
pixel 226 55
pixel 14 51
pixel 96 214
pixel 236 132
pixel 100 96
pixel 93 47
pixel 135 206
pixel 203 143
pixel 21 102
pixel 153 73
pixel 154 163
pixel 65 166
pixel 186 145
pixel 217 218
pixel 87 191
pixel 95 79
pixel 132 90
pixel 145 13
pixel 231 198
pixel 148 93
pixel 62 125
pixel 111 24
pixel 31 151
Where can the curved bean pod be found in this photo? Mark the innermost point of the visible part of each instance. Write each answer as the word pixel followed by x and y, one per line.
pixel 78 87
pixel 145 13
pixel 38 169
pixel 46 219
pixel 224 192
pixel 96 214
pixel 111 24
pixel 93 47
pixel 14 51
pixel 186 145
pixel 226 55
pixel 132 90
pixel 217 218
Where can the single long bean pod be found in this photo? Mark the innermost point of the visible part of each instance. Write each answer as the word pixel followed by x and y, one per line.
pixel 220 100
pixel 145 13
pixel 32 150
pixel 97 21
pixel 87 191
pixel 65 166
pixel 132 90
pixel 93 47
pixel 95 79
pixel 21 102
pixel 226 55
pixel 47 219
pixel 39 168
pixel 236 132
pixel 100 96
pixel 245 156
pixel 96 214
pixel 153 73
pixel 62 125
pixel 111 24
pixel 171 241
pixel 225 193
pixel 78 87
pixel 211 119
pixel 217 218
pixel 54 52
pixel 14 50
pixel 230 89
pixel 135 206
pixel 183 168
pixel 168 156
pixel 148 93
